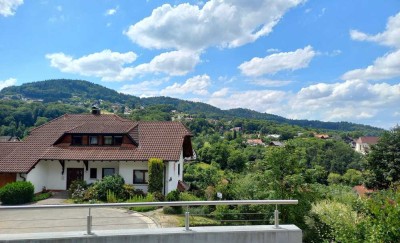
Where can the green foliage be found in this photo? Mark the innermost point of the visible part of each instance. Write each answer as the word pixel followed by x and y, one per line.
pixel 185 196
pixel 155 175
pixel 172 210
pixel 353 177
pixel 114 183
pixel 77 189
pixel 17 193
pixel 41 196
pixel 334 178
pixel 383 161
pixel 128 191
pixel 236 161
pixel 111 197
pixel 137 199
pixel 173 196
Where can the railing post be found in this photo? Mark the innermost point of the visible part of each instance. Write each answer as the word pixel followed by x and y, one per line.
pixel 276 216
pixel 187 220
pixel 89 224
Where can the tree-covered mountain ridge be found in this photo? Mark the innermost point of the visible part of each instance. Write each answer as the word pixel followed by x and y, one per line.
pixel 72 91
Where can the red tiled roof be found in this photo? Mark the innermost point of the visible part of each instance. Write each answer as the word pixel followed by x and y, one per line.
pixel 368 140
pixel 362 190
pixel 156 139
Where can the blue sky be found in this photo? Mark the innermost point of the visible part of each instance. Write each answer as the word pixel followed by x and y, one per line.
pixel 316 59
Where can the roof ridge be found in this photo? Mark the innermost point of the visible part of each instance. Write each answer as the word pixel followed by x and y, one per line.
pixel 52 120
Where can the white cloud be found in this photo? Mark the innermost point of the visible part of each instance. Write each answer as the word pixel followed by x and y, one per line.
pixel 384 67
pixel 111 11
pixel 351 100
pixel 7 82
pixel 107 65
pixel 144 89
pixel 197 85
pixel 259 100
pixel 220 93
pixel 8 7
pixel 270 82
pixel 390 37
pixel 223 23
pixel 174 63
pixel 278 62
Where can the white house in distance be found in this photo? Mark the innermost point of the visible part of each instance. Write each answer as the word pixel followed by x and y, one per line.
pixel 363 144
pixel 91 146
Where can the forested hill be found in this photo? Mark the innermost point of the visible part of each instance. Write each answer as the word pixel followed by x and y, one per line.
pixel 73 91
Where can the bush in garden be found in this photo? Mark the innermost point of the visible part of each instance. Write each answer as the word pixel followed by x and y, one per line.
pixel 128 191
pixel 114 183
pixel 111 198
pixel 90 194
pixel 158 196
pixel 156 168
pixel 185 196
pixel 174 196
pixel 172 210
pixel 17 193
pixel 77 188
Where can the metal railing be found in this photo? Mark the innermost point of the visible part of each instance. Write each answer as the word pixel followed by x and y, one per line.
pixel 186 204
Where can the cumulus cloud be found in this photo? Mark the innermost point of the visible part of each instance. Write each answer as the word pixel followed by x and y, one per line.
pixel 351 100
pixel 144 89
pixel 223 23
pixel 384 67
pixel 107 65
pixel 8 7
pixel 390 37
pixel 174 63
pixel 220 93
pixel 7 82
pixel 277 62
pixel 387 66
pixel 197 85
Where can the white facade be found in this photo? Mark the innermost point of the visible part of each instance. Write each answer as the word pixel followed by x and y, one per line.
pixel 48 173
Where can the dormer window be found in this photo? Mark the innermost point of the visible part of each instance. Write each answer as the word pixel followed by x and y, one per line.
pixel 108 140
pixel 93 140
pixel 77 140
pixel 117 140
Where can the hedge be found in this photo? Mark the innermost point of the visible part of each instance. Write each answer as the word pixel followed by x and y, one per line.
pixel 156 167
pixel 17 193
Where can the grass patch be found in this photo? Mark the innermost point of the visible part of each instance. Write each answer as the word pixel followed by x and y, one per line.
pixel 41 196
pixel 148 198
pixel 198 221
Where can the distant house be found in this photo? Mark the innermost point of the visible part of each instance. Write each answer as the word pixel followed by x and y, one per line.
pixel 91 146
pixel 321 136
pixel 363 144
pixel 276 144
pixel 4 139
pixel 237 129
pixel 255 142
pixel 362 191
pixel 275 136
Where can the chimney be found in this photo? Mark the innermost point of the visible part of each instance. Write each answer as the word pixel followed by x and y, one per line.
pixel 95 110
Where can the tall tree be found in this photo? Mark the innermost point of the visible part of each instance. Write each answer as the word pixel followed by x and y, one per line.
pixel 383 161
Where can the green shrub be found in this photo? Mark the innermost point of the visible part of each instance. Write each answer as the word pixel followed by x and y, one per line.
pixel 115 183
pixel 41 196
pixel 17 193
pixel 77 188
pixel 156 168
pixel 90 194
pixel 173 196
pixel 172 210
pixel 158 196
pixel 111 198
pixel 128 191
pixel 185 196
pixel 148 198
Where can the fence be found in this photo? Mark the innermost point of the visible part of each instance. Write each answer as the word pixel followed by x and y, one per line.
pixel 185 204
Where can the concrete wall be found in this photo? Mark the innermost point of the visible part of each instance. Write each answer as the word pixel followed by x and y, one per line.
pixel 126 171
pixel 215 234
pixel 172 176
pixel 38 176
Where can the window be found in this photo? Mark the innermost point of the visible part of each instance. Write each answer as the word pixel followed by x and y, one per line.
pixel 93 140
pixel 140 176
pixel 76 140
pixel 108 172
pixel 117 140
pixel 93 173
pixel 108 140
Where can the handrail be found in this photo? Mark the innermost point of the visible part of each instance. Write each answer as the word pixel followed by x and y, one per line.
pixel 157 204
pixel 177 203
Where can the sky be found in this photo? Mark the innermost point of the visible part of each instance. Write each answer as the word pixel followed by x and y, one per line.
pixel 317 59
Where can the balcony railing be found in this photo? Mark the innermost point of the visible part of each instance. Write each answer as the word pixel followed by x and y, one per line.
pixel 185 204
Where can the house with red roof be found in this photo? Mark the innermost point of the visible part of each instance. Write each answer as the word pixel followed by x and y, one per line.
pixel 92 146
pixel 363 144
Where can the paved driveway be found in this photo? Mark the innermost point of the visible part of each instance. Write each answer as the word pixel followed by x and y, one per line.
pixel 69 219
